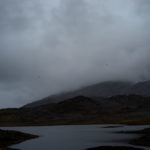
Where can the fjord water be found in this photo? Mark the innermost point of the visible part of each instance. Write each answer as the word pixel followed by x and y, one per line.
pixel 77 137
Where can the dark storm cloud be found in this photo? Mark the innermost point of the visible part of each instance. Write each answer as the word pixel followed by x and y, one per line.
pixel 52 46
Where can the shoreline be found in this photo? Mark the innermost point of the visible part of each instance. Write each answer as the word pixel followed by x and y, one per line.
pixel 114 148
pixel 66 124
pixel 143 140
pixel 12 137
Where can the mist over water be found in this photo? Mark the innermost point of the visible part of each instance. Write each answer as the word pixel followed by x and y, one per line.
pixel 51 46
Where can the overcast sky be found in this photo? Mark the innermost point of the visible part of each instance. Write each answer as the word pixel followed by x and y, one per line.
pixel 49 46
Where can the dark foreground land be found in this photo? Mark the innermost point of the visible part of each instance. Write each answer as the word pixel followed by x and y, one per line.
pixel 113 148
pixel 9 137
pixel 144 140
pixel 8 149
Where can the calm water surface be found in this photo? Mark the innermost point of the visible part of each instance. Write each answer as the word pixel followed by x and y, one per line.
pixel 77 137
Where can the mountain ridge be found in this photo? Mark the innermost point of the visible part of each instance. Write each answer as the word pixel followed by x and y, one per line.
pixel 100 91
pixel 120 109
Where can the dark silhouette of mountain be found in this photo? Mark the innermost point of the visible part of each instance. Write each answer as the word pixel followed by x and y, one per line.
pixel 99 91
pixel 131 109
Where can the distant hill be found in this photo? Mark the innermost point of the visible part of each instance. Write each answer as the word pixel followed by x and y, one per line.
pixel 121 109
pixel 99 91
pixel 141 88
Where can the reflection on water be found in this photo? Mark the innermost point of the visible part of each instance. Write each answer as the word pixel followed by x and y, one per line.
pixel 75 137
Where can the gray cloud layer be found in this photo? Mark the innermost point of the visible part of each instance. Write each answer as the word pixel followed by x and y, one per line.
pixel 51 46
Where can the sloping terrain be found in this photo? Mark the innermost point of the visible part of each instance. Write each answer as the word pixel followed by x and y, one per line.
pixel 130 109
pixel 99 91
